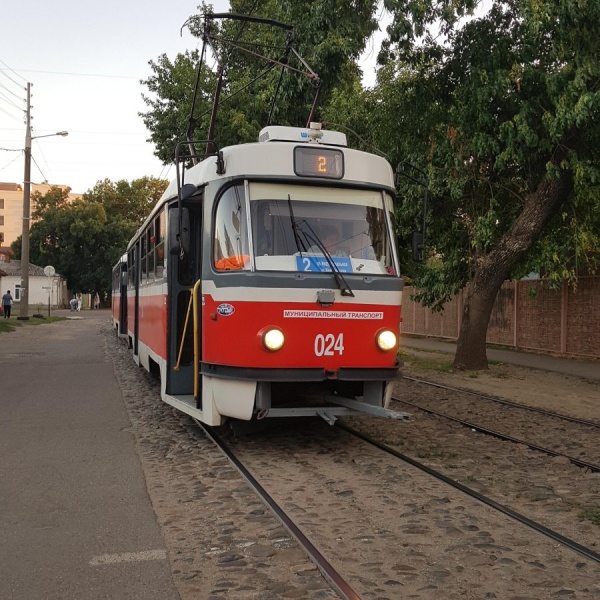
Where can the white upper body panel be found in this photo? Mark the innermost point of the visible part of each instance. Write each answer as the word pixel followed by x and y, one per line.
pixel 276 158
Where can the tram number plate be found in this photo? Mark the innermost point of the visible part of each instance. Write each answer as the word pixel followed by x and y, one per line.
pixel 328 344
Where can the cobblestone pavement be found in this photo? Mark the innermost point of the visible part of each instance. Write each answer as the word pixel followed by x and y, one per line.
pixel 392 531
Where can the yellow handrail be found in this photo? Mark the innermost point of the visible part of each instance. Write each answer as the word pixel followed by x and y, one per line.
pixel 196 348
pixel 187 316
pixel 193 302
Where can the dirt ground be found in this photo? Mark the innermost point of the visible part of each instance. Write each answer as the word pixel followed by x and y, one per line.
pixel 565 394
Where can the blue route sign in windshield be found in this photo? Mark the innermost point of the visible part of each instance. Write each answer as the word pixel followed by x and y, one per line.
pixel 319 264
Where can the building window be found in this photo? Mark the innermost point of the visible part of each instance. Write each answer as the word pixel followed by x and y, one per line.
pixel 1 220
pixel 1 237
pixel 17 292
pixel 1 203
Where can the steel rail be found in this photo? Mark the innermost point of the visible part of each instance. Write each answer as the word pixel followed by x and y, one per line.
pixel 501 436
pixel 334 579
pixel 557 537
pixel 542 411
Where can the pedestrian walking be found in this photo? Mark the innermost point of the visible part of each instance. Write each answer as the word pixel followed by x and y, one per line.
pixel 7 301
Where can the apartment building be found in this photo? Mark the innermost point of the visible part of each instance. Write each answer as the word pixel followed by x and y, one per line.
pixel 11 209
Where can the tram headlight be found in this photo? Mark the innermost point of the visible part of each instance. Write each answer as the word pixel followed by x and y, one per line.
pixel 386 340
pixel 273 339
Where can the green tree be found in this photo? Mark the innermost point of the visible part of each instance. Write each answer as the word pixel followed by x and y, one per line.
pixel 83 239
pixel 329 35
pixel 502 112
pixel 130 201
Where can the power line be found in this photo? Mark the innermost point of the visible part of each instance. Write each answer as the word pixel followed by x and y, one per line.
pixel 7 99
pixel 12 71
pixel 39 149
pixel 11 116
pixel 78 74
pixel 11 92
pixel 9 163
pixel 39 169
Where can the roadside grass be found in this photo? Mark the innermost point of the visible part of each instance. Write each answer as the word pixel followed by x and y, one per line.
pixel 591 513
pixel 8 325
pixel 444 365
pixel 426 364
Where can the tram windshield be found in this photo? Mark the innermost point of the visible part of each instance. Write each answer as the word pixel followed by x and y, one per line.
pixel 306 228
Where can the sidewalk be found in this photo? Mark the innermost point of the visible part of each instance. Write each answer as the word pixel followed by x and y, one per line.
pixel 588 369
pixel 75 515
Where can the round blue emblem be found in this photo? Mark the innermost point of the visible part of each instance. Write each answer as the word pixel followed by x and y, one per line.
pixel 225 310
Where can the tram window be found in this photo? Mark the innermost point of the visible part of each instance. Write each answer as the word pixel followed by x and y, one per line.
pixel 150 251
pixel 144 269
pixel 230 237
pixel 159 234
pixel 131 267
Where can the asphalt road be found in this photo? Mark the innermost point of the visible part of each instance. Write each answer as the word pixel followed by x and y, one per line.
pixel 75 517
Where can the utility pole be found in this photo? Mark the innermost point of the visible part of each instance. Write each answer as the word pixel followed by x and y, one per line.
pixel 24 292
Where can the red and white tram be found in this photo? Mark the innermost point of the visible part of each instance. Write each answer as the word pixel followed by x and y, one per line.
pixel 269 284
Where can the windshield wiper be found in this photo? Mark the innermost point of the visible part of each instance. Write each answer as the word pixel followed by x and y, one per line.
pixel 337 274
pixel 295 228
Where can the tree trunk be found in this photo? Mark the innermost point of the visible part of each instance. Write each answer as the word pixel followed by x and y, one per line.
pixel 494 268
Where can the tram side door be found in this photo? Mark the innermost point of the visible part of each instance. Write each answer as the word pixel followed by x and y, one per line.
pixel 136 298
pixel 123 299
pixel 182 274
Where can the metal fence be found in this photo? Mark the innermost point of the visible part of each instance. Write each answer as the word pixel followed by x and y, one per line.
pixel 527 314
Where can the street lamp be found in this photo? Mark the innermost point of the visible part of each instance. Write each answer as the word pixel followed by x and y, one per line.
pixel 24 292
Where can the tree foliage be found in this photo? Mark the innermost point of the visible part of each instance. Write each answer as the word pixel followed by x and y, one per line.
pixel 329 35
pixel 84 238
pixel 495 111
pixel 502 108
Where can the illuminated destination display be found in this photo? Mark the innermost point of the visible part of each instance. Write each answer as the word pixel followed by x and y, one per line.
pixel 319 162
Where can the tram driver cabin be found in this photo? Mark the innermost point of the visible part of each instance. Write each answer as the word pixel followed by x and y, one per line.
pixel 235 294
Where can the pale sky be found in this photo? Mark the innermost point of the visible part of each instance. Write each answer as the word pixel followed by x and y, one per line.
pixel 84 60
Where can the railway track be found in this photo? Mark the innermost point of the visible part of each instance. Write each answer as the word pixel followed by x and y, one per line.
pixel 595 468
pixel 387 529
pixel 503 401
pixel 548 432
pixel 536 526
pixel 337 582
pixel 340 584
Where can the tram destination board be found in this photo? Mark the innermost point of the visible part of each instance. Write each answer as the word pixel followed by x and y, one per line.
pixel 319 162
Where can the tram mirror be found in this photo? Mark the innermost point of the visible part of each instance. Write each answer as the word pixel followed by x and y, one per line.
pixel 418 246
pixel 186 191
pixel 179 230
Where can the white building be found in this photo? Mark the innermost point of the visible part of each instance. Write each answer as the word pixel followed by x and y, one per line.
pixel 42 289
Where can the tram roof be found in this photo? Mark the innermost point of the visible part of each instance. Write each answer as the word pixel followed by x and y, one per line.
pixel 276 158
